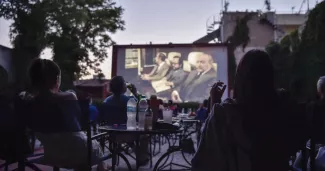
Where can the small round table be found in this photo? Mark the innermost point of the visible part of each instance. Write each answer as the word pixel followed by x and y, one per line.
pixel 123 130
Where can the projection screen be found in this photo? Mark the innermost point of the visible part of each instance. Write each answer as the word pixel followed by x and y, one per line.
pixel 180 72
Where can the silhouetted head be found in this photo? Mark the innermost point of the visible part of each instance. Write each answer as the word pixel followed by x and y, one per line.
pixel 205 103
pixel 45 74
pixel 321 87
pixel 117 85
pixel 254 81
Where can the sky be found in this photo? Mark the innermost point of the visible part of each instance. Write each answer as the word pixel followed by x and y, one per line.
pixel 164 21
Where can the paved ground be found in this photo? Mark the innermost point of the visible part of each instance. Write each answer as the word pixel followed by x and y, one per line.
pixel 177 158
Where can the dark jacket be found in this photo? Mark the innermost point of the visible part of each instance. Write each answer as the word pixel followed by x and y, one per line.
pixel 197 88
pixel 176 76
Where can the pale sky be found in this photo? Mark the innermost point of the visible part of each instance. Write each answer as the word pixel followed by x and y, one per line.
pixel 164 21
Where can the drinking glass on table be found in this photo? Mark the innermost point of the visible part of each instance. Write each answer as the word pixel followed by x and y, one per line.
pixel 168 116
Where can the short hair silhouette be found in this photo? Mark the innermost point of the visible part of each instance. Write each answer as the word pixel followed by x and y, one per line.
pixel 205 103
pixel 117 85
pixel 44 73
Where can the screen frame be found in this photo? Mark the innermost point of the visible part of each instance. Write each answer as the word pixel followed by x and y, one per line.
pixel 189 45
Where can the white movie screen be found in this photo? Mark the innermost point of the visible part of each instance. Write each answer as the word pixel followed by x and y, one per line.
pixel 181 74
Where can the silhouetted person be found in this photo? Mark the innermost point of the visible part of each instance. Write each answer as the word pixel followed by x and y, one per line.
pixel 248 132
pixel 117 105
pixel 202 112
pixel 316 118
pixel 53 117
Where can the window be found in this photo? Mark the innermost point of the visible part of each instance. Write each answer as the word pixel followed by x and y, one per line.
pixel 132 58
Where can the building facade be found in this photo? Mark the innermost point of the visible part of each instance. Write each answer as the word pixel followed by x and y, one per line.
pixel 263 29
pixel 6 65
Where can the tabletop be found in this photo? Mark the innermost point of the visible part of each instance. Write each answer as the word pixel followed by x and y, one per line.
pixel 124 129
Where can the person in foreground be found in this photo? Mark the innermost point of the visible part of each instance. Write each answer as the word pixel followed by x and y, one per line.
pixel 53 115
pixel 315 111
pixel 248 132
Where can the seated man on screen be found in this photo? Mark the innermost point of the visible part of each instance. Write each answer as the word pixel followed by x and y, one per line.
pixel 177 75
pixel 159 71
pixel 197 85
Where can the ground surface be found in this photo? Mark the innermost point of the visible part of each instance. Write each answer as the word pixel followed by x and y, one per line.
pixel 177 158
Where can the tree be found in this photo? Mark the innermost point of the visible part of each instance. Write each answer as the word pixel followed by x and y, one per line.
pixel 239 37
pixel 283 56
pixel 28 33
pixel 310 62
pixel 84 27
pixel 299 60
pixel 75 29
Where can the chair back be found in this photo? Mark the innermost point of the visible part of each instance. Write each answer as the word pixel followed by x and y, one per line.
pixel 84 121
pixel 14 144
pixel 171 56
pixel 112 114
pixel 84 115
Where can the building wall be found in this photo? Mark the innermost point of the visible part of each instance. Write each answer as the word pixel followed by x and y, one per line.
pixel 6 62
pixel 260 35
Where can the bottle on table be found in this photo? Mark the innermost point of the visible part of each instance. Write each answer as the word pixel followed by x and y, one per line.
pixel 143 105
pixel 148 119
pixel 168 115
pixel 131 113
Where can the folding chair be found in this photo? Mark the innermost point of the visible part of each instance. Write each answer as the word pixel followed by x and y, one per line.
pixel 86 126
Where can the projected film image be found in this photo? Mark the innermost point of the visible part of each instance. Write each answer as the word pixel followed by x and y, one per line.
pixel 180 73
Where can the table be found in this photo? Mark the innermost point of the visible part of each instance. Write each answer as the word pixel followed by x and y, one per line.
pixel 115 131
pixel 186 124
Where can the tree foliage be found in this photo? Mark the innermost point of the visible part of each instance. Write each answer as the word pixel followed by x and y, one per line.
pixel 84 27
pixel 283 56
pixel 239 37
pixel 311 58
pixel 77 30
pixel 27 32
pixel 299 60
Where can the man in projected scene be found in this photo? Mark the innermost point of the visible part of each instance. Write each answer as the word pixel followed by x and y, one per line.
pixel 159 71
pixel 177 75
pixel 198 83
